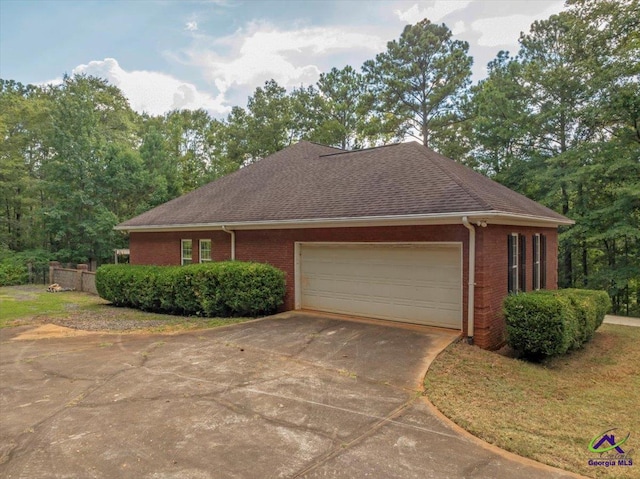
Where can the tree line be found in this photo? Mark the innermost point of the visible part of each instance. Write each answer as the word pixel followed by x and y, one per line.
pixel 559 122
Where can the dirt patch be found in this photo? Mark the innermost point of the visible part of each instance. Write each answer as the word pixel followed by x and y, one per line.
pixel 48 331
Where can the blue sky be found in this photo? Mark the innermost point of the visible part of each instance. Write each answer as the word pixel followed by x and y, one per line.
pixel 212 54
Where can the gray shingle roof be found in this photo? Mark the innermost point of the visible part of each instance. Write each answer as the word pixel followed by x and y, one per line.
pixel 307 181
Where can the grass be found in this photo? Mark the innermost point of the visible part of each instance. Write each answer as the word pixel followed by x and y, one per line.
pixel 550 411
pixel 24 305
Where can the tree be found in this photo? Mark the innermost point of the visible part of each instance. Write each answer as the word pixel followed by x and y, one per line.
pixel 498 112
pixel 23 123
pixel 265 127
pixel 560 123
pixel 270 126
pixel 164 179
pixel 189 146
pixel 419 81
pixel 343 94
pixel 92 140
pixel 235 140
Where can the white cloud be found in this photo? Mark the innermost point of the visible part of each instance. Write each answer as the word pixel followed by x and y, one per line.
pixel 262 52
pixel 152 92
pixel 435 13
pixel 459 27
pixel 192 26
pixel 505 30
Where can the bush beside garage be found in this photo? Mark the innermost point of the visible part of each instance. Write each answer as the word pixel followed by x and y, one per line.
pixel 221 289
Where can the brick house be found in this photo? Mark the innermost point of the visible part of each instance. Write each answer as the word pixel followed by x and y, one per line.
pixel 383 232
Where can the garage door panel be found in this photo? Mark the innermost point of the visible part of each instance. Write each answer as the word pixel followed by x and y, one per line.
pixel 437 316
pixel 406 282
pixel 422 291
pixel 397 272
pixel 349 302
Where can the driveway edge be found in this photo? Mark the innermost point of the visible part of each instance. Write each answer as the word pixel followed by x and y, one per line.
pixel 482 443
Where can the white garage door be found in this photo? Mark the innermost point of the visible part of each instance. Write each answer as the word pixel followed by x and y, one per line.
pixel 414 283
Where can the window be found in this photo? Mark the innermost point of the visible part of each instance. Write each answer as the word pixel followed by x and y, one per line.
pixel 543 262
pixel 522 267
pixel 513 277
pixel 539 261
pixel 205 250
pixel 537 283
pixel 517 273
pixel 187 251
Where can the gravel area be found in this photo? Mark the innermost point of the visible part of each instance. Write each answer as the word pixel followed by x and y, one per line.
pixel 112 318
pixel 110 324
pixel 82 311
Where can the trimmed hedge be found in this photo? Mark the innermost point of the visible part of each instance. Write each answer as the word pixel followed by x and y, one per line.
pixel 224 289
pixel 541 324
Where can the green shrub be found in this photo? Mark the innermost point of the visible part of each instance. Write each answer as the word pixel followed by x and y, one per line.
pixel 12 274
pixel 550 323
pixel 14 269
pixel 230 288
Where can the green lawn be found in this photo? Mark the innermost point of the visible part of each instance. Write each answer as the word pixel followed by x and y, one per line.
pixel 551 411
pixel 32 304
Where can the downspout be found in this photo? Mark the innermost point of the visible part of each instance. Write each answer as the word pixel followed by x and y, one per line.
pixel 233 242
pixel 472 277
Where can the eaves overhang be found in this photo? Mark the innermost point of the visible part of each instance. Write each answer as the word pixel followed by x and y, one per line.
pixel 479 217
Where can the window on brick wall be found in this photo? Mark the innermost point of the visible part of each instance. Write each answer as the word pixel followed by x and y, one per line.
pixel 205 250
pixel 536 262
pixel 539 261
pixel 186 247
pixel 543 261
pixel 522 266
pixel 513 276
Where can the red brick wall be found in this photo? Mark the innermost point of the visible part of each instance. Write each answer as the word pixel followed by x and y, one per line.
pixel 491 277
pixel 165 248
pixel 276 247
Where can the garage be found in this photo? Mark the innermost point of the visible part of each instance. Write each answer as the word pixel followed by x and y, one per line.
pixel 417 283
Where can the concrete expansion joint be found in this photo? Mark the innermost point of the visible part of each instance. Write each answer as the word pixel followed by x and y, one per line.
pixel 48 355
pixel 292 357
pixel 344 447
pixel 28 436
pixel 56 374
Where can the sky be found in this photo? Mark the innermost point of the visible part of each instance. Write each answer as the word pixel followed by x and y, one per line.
pixel 213 54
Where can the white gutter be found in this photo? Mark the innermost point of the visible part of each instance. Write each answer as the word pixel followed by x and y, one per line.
pixel 495 217
pixel 472 278
pixel 233 241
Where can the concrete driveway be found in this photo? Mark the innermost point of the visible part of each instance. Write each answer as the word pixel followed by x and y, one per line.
pixel 292 396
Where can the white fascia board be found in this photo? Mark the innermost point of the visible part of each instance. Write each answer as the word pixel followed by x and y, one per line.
pixel 489 217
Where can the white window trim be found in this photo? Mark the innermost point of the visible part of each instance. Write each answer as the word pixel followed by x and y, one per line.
pixel 515 263
pixel 200 243
pixel 182 256
pixel 537 260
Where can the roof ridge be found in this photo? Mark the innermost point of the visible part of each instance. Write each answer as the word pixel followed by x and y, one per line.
pixel 454 177
pixel 343 152
pixel 322 144
pixel 310 149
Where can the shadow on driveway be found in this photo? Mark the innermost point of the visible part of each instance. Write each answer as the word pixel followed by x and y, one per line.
pixel 295 395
